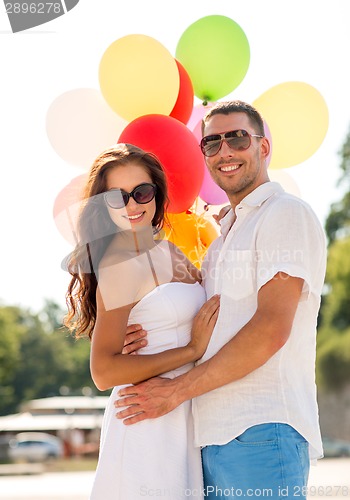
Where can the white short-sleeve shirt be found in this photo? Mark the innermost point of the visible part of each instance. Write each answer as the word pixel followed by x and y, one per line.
pixel 274 232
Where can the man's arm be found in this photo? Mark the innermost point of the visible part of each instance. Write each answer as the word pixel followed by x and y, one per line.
pixel 266 332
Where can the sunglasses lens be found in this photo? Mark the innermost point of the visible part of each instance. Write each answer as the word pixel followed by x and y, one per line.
pixel 238 139
pixel 116 198
pixel 144 193
pixel 210 145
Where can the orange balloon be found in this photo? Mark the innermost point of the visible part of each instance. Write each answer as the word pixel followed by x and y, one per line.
pixel 192 233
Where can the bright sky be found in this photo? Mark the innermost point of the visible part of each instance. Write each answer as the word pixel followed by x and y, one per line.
pixel 302 40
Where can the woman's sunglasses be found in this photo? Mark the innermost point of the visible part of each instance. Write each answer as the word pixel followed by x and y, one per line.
pixel 118 198
pixel 239 140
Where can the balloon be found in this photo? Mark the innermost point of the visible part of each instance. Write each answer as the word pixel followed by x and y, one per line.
pixel 184 103
pixel 286 181
pixel 298 120
pixel 198 113
pixel 178 151
pixel 210 192
pixel 215 52
pixel 269 137
pixel 67 207
pixel 79 125
pixel 192 233
pixel 139 76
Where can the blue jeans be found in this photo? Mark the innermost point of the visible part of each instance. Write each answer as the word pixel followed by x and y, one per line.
pixel 267 460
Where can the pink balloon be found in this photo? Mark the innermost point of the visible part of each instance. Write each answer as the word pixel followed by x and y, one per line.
pixel 269 136
pixel 67 207
pixel 198 112
pixel 210 192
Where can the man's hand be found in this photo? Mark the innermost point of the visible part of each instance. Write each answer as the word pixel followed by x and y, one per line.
pixel 134 339
pixel 221 214
pixel 150 399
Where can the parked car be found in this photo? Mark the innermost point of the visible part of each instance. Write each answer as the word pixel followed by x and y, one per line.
pixel 335 447
pixel 34 447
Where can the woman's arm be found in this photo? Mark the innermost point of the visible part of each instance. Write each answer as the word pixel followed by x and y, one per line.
pixel 135 339
pixel 110 367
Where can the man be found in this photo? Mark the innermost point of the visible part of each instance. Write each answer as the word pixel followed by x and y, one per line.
pixel 254 405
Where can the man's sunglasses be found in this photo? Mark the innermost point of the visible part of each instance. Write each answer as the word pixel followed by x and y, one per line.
pixel 239 140
pixel 118 198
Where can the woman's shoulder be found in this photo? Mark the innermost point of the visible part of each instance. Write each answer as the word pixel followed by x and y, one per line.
pixel 118 280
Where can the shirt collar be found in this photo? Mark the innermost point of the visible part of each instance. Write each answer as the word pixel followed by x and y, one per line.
pixel 262 193
pixel 254 199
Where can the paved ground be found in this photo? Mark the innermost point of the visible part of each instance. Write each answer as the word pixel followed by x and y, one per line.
pixel 47 486
pixel 331 478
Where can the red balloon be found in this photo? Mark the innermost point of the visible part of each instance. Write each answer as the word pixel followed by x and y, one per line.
pixel 184 104
pixel 178 151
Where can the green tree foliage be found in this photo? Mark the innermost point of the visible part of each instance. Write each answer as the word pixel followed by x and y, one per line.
pixel 38 356
pixel 333 354
pixel 333 366
pixel 338 221
pixel 12 330
pixel 336 308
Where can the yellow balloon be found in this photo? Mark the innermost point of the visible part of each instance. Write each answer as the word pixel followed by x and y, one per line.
pixel 139 76
pixel 297 116
pixel 192 233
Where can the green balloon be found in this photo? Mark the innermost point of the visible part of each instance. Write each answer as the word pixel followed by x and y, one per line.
pixel 215 52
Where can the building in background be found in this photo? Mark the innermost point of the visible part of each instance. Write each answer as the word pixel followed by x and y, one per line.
pixel 76 420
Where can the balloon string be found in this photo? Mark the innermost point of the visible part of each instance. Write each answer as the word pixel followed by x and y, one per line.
pixel 200 248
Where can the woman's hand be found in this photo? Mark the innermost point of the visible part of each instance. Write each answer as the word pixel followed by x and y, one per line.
pixel 134 339
pixel 203 326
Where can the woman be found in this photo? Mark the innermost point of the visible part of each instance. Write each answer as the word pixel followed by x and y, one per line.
pixel 124 273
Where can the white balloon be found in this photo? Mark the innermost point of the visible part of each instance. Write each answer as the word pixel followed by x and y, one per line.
pixel 286 181
pixel 80 125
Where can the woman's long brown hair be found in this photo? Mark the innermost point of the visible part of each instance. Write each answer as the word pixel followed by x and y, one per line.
pixel 96 230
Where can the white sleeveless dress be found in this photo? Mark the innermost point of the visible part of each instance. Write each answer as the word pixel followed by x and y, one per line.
pixel 156 457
